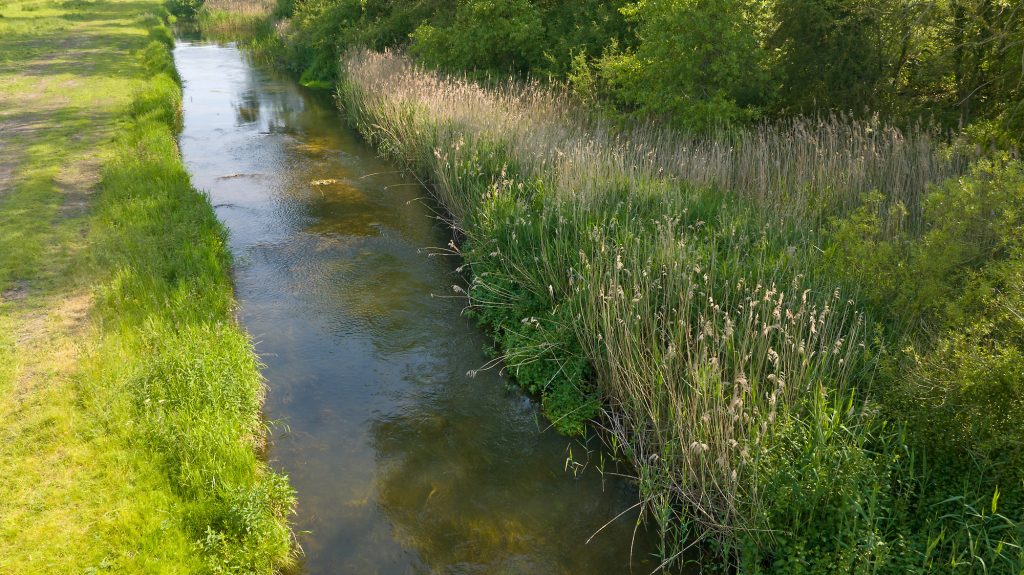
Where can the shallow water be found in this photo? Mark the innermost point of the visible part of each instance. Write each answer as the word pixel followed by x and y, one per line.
pixel 402 463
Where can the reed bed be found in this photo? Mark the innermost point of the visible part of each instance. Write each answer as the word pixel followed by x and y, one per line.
pixel 678 281
pixel 247 8
pixel 799 167
pixel 233 19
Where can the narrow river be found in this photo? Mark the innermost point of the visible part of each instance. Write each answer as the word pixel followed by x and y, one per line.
pixel 402 463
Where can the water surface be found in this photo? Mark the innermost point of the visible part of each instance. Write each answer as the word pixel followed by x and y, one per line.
pixel 402 463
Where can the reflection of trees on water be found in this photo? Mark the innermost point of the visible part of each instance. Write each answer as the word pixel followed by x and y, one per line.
pixel 247 108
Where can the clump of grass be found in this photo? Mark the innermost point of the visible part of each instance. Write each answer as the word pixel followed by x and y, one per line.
pixel 680 283
pixel 234 19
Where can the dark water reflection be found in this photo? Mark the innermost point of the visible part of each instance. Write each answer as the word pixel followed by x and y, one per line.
pixel 402 463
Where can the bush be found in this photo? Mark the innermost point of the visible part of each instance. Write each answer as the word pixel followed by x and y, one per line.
pixel 184 8
pixel 949 284
pixel 322 31
pixel 966 391
pixel 486 35
pixel 697 63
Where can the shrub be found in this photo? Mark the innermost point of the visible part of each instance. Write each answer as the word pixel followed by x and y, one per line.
pixel 485 35
pixel 951 289
pixel 968 266
pixel 184 8
pixel 696 63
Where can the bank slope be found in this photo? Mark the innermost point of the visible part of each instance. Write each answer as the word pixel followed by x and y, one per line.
pixel 129 398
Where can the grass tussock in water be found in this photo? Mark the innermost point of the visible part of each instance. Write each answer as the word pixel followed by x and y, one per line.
pixel 698 293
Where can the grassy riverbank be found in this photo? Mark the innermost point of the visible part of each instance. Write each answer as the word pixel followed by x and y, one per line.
pixel 130 399
pixel 234 19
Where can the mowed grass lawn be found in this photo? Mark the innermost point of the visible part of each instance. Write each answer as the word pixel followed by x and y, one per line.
pixel 129 399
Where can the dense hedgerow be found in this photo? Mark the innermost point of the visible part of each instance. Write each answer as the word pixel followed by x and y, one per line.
pixel 701 64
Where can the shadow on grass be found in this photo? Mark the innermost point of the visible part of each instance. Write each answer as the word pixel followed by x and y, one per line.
pixel 86 41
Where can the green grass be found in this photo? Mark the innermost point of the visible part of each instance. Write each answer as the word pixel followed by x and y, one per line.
pixel 130 399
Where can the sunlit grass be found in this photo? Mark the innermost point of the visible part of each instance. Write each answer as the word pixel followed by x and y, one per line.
pixel 233 19
pixel 130 400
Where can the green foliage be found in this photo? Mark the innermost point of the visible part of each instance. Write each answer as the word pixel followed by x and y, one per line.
pixel 323 29
pixel 926 256
pixel 951 288
pixel 696 62
pixel 537 36
pixel 862 248
pixel 485 35
pixel 966 385
pixel 841 521
pixel 706 63
pixel 829 56
pixel 579 29
pixel 184 8
pixel 388 23
pixel 944 61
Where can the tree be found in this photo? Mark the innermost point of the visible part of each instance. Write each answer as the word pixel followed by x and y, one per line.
pixel 831 54
pixel 697 62
pixel 498 35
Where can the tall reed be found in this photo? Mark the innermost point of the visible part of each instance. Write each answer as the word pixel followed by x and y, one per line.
pixel 684 272
pixel 234 19
pixel 797 168
pixel 250 8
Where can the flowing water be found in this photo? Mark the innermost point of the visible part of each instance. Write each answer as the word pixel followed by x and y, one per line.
pixel 402 463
